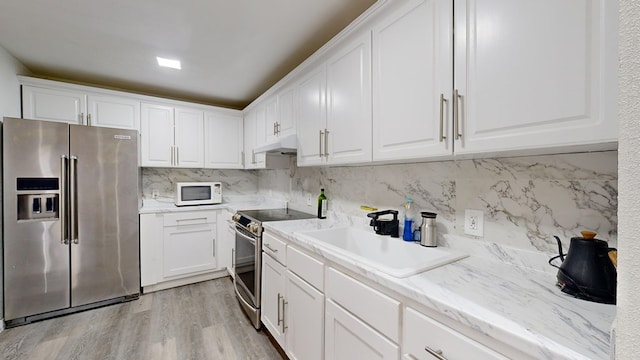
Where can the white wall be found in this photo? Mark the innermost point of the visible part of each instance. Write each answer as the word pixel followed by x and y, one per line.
pixel 628 311
pixel 9 86
pixel 9 106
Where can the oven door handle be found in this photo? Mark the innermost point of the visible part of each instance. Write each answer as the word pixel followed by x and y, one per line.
pixel 235 287
pixel 252 240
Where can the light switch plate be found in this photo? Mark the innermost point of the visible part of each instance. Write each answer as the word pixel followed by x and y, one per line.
pixel 474 222
pixel 309 200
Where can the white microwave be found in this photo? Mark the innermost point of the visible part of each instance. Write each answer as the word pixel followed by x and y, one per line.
pixel 198 193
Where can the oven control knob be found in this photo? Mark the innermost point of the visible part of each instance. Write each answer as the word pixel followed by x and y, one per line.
pixel 253 227
pixel 235 217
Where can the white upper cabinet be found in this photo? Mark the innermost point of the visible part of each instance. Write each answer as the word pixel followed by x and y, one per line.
pixel 61 105
pixel 114 112
pixel 412 74
pixel 254 135
pixel 189 138
pixel 286 124
pixel 156 134
pixel 271 118
pixel 534 74
pixel 172 137
pixel 223 141
pixel 75 104
pixel 311 115
pixel 349 103
pixel 334 107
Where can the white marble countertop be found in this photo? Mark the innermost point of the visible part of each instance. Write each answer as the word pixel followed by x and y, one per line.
pixel 504 293
pixel 233 204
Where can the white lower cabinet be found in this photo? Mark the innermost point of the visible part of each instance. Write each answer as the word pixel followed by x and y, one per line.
pixel 272 298
pixel 347 337
pixel 188 243
pixel 292 303
pixel 226 240
pixel 425 338
pixel 304 319
pixel 178 248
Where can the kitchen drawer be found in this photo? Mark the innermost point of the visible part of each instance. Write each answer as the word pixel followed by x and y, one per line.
pixel 275 247
pixel 308 268
pixel 189 218
pixel 377 309
pixel 421 332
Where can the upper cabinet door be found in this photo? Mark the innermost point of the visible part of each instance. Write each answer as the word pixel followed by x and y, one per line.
pixel 156 135
pixel 114 111
pixel 286 120
pixel 223 141
pixel 311 116
pixel 271 118
pixel 412 78
pixel 189 138
pixel 59 105
pixel 349 103
pixel 535 74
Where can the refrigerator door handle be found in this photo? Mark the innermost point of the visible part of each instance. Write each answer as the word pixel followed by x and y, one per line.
pixel 62 202
pixel 73 212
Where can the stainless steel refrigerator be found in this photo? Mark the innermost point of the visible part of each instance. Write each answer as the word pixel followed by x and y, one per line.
pixel 70 218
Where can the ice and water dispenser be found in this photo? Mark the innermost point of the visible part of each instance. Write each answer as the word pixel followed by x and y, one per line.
pixel 38 198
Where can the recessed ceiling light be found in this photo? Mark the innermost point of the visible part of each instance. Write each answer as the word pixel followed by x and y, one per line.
pixel 174 64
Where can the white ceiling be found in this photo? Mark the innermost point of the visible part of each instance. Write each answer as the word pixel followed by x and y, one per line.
pixel 231 50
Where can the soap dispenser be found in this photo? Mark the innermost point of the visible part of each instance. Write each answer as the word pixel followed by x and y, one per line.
pixel 409 219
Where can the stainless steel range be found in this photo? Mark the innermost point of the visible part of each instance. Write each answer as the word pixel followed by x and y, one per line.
pixel 247 260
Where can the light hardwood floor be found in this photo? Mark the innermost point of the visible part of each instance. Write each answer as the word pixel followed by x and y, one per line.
pixel 199 321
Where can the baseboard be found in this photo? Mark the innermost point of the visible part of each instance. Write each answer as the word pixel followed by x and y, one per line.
pixel 184 281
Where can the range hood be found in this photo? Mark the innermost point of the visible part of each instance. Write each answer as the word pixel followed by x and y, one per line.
pixel 285 145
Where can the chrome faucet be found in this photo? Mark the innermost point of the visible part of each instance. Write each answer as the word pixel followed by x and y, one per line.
pixel 385 226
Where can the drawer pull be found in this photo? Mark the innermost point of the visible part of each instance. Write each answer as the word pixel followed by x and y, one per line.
pixel 436 353
pixel 268 246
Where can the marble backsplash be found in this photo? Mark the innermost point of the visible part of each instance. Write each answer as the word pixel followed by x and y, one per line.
pixel 525 200
pixel 234 182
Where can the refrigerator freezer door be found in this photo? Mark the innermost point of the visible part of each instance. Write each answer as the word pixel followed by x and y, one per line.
pixel 36 260
pixel 105 259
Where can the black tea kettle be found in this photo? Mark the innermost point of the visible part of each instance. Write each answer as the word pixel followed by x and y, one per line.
pixel 588 270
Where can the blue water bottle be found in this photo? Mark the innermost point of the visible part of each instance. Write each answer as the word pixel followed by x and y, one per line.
pixel 409 219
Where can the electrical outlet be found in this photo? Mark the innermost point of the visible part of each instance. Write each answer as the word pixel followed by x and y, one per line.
pixel 474 222
pixel 309 199
pixel 154 193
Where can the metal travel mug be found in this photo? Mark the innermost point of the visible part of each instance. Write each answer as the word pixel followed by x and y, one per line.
pixel 428 230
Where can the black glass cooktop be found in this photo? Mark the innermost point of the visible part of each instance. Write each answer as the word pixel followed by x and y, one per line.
pixel 274 215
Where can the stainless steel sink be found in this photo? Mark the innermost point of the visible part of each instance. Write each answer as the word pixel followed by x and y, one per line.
pixel 392 256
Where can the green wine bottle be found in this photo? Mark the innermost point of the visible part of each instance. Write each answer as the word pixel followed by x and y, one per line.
pixel 322 205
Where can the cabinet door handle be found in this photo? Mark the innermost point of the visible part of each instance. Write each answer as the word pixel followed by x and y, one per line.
pixel 284 326
pixel 89 119
pixel 456 115
pixel 214 247
pixel 320 144
pixel 326 143
pixel 442 101
pixel 233 259
pixel 274 129
pixel 279 319
pixel 436 353
pixel 177 155
pixel 268 246
pixel 81 119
